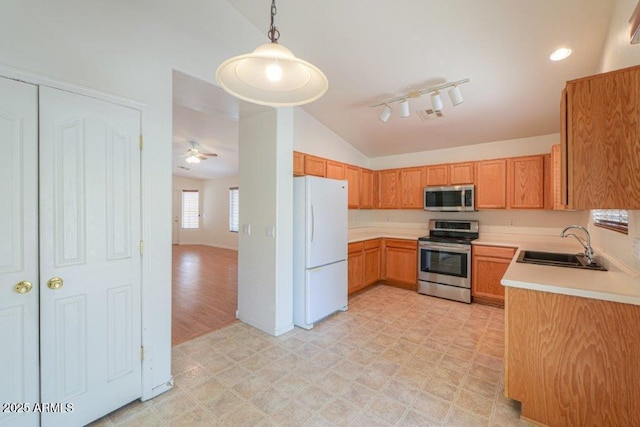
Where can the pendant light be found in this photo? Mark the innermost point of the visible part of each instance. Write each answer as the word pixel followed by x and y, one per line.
pixel 271 75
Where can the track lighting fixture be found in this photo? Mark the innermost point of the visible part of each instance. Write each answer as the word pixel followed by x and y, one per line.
pixel 437 103
pixel 404 108
pixel 386 113
pixel 455 96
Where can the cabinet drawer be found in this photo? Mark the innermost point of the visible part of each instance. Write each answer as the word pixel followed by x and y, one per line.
pixel 356 247
pixel 371 244
pixel 494 251
pixel 404 244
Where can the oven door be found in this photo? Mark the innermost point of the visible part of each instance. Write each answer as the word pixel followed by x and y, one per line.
pixel 449 264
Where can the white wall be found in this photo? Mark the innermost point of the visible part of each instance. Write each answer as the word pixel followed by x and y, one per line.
pixel 490 150
pixel 619 53
pixel 312 137
pixel 130 49
pixel 214 212
pixel 265 271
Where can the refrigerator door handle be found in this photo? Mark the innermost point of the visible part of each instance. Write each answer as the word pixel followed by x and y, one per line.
pixel 313 224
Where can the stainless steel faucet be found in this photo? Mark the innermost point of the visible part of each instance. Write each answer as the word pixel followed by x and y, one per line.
pixel 588 250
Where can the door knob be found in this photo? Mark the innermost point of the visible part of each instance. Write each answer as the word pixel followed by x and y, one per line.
pixel 55 283
pixel 23 287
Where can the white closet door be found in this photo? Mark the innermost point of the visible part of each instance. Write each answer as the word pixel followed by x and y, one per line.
pixel 90 326
pixel 19 371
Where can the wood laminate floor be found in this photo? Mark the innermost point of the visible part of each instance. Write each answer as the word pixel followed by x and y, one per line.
pixel 205 290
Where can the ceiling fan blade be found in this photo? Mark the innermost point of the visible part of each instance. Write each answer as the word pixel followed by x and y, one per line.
pixel 209 154
pixel 200 156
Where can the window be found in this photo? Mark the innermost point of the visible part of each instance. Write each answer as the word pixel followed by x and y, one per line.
pixel 190 209
pixel 234 195
pixel 612 219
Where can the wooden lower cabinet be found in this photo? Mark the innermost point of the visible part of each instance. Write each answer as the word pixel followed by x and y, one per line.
pixel 372 261
pixel 401 263
pixel 489 265
pixel 364 264
pixel 572 361
pixel 355 267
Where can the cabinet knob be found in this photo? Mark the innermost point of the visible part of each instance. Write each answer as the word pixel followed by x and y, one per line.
pixel 55 283
pixel 23 287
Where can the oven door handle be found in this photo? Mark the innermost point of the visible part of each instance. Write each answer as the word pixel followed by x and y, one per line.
pixel 457 248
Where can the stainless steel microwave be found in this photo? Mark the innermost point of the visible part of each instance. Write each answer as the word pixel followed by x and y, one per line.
pixel 458 198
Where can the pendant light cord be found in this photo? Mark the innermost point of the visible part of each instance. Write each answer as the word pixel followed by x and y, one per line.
pixel 273 33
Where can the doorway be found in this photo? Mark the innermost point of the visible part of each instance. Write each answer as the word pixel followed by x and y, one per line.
pixel 205 169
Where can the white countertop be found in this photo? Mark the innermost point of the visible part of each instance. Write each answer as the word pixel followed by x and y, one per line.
pixel 367 233
pixel 617 284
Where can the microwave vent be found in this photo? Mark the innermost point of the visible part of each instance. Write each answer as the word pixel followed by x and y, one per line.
pixel 429 114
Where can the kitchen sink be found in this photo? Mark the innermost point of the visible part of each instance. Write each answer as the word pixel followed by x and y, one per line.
pixel 558 260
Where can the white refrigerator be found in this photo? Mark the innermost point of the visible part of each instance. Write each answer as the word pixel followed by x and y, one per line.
pixel 319 249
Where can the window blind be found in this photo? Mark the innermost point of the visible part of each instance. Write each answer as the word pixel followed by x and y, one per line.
pixel 612 219
pixel 190 209
pixel 234 202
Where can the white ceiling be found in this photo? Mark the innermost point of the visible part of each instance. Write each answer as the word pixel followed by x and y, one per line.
pixel 373 50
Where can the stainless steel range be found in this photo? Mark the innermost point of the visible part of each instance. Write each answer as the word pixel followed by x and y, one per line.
pixel 444 259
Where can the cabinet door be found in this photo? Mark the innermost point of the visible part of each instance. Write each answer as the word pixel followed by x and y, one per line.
pixel 603 134
pixel 491 184
pixel 401 265
pixel 352 174
pixel 388 189
pixel 526 182
pixel 355 271
pixel 372 261
pixel 298 164
pixel 411 184
pixel 487 273
pixel 437 175
pixel 315 165
pixel 366 189
pixel 461 173
pixel 335 170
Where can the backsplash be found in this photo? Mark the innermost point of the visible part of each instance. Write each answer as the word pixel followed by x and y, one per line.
pixel 499 221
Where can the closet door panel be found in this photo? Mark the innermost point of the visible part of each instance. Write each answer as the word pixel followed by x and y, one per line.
pixel 19 365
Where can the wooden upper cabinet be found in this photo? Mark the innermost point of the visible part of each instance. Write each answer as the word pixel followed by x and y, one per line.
pixel 352 174
pixel 603 140
pixel 389 189
pixel 555 177
pixel 526 182
pixel 491 184
pixel 437 175
pixel 366 189
pixel 335 170
pixel 412 188
pixel 461 173
pixel 298 163
pixel 316 166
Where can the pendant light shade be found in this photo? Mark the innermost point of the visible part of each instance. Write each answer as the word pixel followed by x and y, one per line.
pixel 192 160
pixel 271 75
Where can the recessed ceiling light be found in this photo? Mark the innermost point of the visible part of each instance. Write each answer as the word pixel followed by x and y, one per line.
pixel 560 54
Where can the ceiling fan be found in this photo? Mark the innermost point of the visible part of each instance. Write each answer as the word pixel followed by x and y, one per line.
pixel 194 155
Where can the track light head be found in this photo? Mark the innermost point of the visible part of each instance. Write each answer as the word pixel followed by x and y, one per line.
pixel 404 108
pixel 386 113
pixel 455 96
pixel 436 101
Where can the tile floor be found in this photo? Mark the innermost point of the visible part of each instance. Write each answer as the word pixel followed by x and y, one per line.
pixel 394 358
